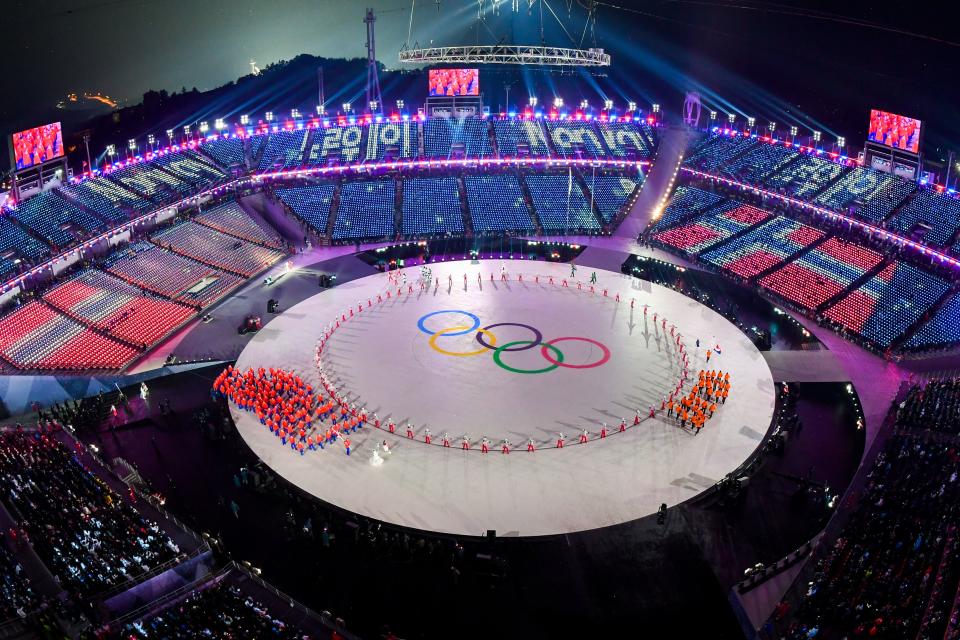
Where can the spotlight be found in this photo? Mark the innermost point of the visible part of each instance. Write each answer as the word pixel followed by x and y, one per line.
pixel 244 119
pixel 731 118
pixel 219 124
pixel 558 102
pixel 204 127
pixel 295 114
pixel 269 116
pixel 533 101
pixel 751 121
pixel 656 108
pixel 772 127
pixel 631 106
pixel 816 136
pixel 713 115
pixel 608 104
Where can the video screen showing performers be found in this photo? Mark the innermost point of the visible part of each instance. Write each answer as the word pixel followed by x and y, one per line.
pixel 892 130
pixel 38 145
pixel 454 82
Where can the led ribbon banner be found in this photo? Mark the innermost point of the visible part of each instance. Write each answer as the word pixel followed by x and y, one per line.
pixel 488 342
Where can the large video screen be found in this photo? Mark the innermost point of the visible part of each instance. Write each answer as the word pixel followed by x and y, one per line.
pixel 454 82
pixel 36 146
pixel 892 130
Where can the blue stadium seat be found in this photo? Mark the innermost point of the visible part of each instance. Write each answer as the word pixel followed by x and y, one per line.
pixel 431 206
pixel 366 210
pixel 497 204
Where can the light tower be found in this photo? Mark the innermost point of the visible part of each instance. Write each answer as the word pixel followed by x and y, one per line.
pixel 373 78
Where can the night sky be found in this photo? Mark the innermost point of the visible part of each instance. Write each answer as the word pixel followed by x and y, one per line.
pixel 787 61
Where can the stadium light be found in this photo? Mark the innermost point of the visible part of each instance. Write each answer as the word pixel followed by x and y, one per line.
pixel 558 102
pixel 219 124
pixel 269 116
pixel 772 127
pixel 631 106
pixel 713 116
pixel 841 143
pixel 731 118
pixel 584 104
pixel 131 144
pixel 204 127
pixel 793 131
pixel 751 121
pixel 186 130
pixel 400 105
pixel 608 104
pixel 295 113
pixel 244 119
pixel 151 139
pixel 816 136
pixel 111 150
pixel 346 107
pixel 321 110
pixel 373 106
pixel 656 108
pixel 533 101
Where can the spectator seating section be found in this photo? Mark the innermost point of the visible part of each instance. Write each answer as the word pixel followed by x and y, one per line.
pixel 218 611
pixel 311 204
pixel 560 203
pixel 150 181
pixel 885 306
pixel 35 336
pixel 891 572
pixel 17 597
pixel 366 210
pixel 441 134
pixel 431 206
pixel 876 194
pixel 58 221
pixel 762 248
pixel 226 152
pixel 342 144
pixel 714 226
pixel 230 218
pixel 624 139
pixel 716 151
pixel 940 330
pixel 513 134
pixel 759 162
pixel 804 177
pixel 611 192
pixel 573 138
pixel 108 303
pixel 146 265
pixel 399 138
pixel 217 249
pixel 89 536
pixel 822 273
pixel 284 149
pixel 686 202
pixel 107 199
pixel 496 203
pixel 257 143
pixel 18 244
pixel 935 214
pixel 192 169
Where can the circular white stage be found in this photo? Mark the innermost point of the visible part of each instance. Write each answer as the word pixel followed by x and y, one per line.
pixel 515 360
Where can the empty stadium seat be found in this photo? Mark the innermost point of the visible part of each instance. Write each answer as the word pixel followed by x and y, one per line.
pixel 366 210
pixel 496 204
pixel 431 206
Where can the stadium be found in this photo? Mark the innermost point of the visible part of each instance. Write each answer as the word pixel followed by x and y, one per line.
pixel 434 366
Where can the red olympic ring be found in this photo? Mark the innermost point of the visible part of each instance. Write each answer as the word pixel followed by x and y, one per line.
pixel 603 360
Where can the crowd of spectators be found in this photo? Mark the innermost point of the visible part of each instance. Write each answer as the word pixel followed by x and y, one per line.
pixel 219 611
pixel 88 535
pixel 893 571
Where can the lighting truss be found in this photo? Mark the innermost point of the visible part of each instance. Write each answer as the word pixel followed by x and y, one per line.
pixel 507 54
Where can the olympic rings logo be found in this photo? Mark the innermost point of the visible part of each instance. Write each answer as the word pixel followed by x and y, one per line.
pixel 488 342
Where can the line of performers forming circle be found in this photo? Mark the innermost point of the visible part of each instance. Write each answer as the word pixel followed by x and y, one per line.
pixel 309 420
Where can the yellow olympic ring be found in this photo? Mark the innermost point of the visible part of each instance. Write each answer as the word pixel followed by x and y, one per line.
pixel 461 328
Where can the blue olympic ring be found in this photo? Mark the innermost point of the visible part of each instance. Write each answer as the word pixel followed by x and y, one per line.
pixel 476 322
